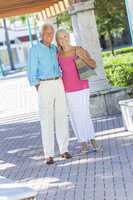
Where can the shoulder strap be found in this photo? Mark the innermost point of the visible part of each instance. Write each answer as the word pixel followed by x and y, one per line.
pixel 75 50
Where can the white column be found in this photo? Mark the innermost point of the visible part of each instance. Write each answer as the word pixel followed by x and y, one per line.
pixel 86 35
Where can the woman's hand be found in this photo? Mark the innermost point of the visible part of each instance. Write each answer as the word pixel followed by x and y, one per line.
pixel 85 56
pixel 80 52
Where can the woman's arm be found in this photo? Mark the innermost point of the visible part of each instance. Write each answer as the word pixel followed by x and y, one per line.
pixel 85 56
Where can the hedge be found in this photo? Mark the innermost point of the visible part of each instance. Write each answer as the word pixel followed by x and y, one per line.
pixel 118 51
pixel 119 69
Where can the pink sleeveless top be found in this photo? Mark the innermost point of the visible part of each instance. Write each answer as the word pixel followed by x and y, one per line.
pixel 70 74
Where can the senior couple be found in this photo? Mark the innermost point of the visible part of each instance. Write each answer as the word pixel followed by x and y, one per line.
pixel 53 72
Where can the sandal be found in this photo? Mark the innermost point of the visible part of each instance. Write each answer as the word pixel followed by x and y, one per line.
pixel 50 161
pixel 66 155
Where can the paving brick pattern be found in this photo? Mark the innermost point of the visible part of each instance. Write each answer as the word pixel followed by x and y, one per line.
pixel 106 175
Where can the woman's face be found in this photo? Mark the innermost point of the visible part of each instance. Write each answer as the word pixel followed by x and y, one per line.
pixel 63 39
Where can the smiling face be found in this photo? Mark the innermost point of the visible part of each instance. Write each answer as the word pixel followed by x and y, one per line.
pixel 47 35
pixel 63 39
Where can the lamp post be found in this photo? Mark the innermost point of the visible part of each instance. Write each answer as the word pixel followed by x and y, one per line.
pixel 8 45
pixel 30 32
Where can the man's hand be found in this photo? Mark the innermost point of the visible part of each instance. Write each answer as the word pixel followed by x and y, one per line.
pixel 37 86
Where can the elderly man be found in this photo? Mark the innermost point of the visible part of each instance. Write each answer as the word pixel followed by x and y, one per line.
pixel 44 73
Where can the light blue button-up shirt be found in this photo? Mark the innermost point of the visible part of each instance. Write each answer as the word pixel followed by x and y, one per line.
pixel 42 63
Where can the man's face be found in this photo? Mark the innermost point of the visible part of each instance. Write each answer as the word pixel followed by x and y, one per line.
pixel 48 35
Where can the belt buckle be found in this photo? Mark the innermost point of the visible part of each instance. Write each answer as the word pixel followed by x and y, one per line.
pixel 55 78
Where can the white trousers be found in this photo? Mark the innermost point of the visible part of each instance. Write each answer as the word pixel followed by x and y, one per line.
pixel 53 114
pixel 78 105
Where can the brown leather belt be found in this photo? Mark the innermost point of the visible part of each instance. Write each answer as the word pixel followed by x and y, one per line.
pixel 49 79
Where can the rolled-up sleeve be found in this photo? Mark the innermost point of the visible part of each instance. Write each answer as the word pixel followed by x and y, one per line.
pixel 32 67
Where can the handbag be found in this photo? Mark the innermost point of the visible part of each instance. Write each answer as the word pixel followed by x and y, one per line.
pixel 85 71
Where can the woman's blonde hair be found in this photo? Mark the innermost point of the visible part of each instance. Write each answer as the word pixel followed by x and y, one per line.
pixel 61 31
pixel 57 35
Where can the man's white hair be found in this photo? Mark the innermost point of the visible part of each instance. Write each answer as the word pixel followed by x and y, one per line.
pixel 45 26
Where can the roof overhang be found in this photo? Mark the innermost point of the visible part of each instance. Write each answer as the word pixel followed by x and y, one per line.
pixel 21 7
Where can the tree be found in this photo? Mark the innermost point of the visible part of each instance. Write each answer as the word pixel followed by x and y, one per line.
pixel 64 20
pixel 111 18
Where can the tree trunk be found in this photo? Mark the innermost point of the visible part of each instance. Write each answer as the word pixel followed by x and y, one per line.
pixel 111 41
pixel 8 45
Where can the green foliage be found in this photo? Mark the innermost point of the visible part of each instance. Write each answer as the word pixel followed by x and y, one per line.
pixel 119 69
pixel 21 18
pixel 110 15
pixel 64 21
pixel 111 18
pixel 119 51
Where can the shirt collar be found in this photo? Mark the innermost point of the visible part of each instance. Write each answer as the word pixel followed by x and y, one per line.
pixel 42 43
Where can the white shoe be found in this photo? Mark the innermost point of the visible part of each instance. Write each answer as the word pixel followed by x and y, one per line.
pixel 98 148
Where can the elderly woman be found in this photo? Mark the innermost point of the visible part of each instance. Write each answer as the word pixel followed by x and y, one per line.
pixel 77 91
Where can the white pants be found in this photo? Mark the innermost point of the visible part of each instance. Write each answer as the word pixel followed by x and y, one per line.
pixel 78 105
pixel 52 101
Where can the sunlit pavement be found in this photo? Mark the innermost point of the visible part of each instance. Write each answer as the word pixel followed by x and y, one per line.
pixel 105 175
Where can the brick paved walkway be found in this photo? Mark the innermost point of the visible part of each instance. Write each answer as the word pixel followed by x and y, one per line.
pixel 106 175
